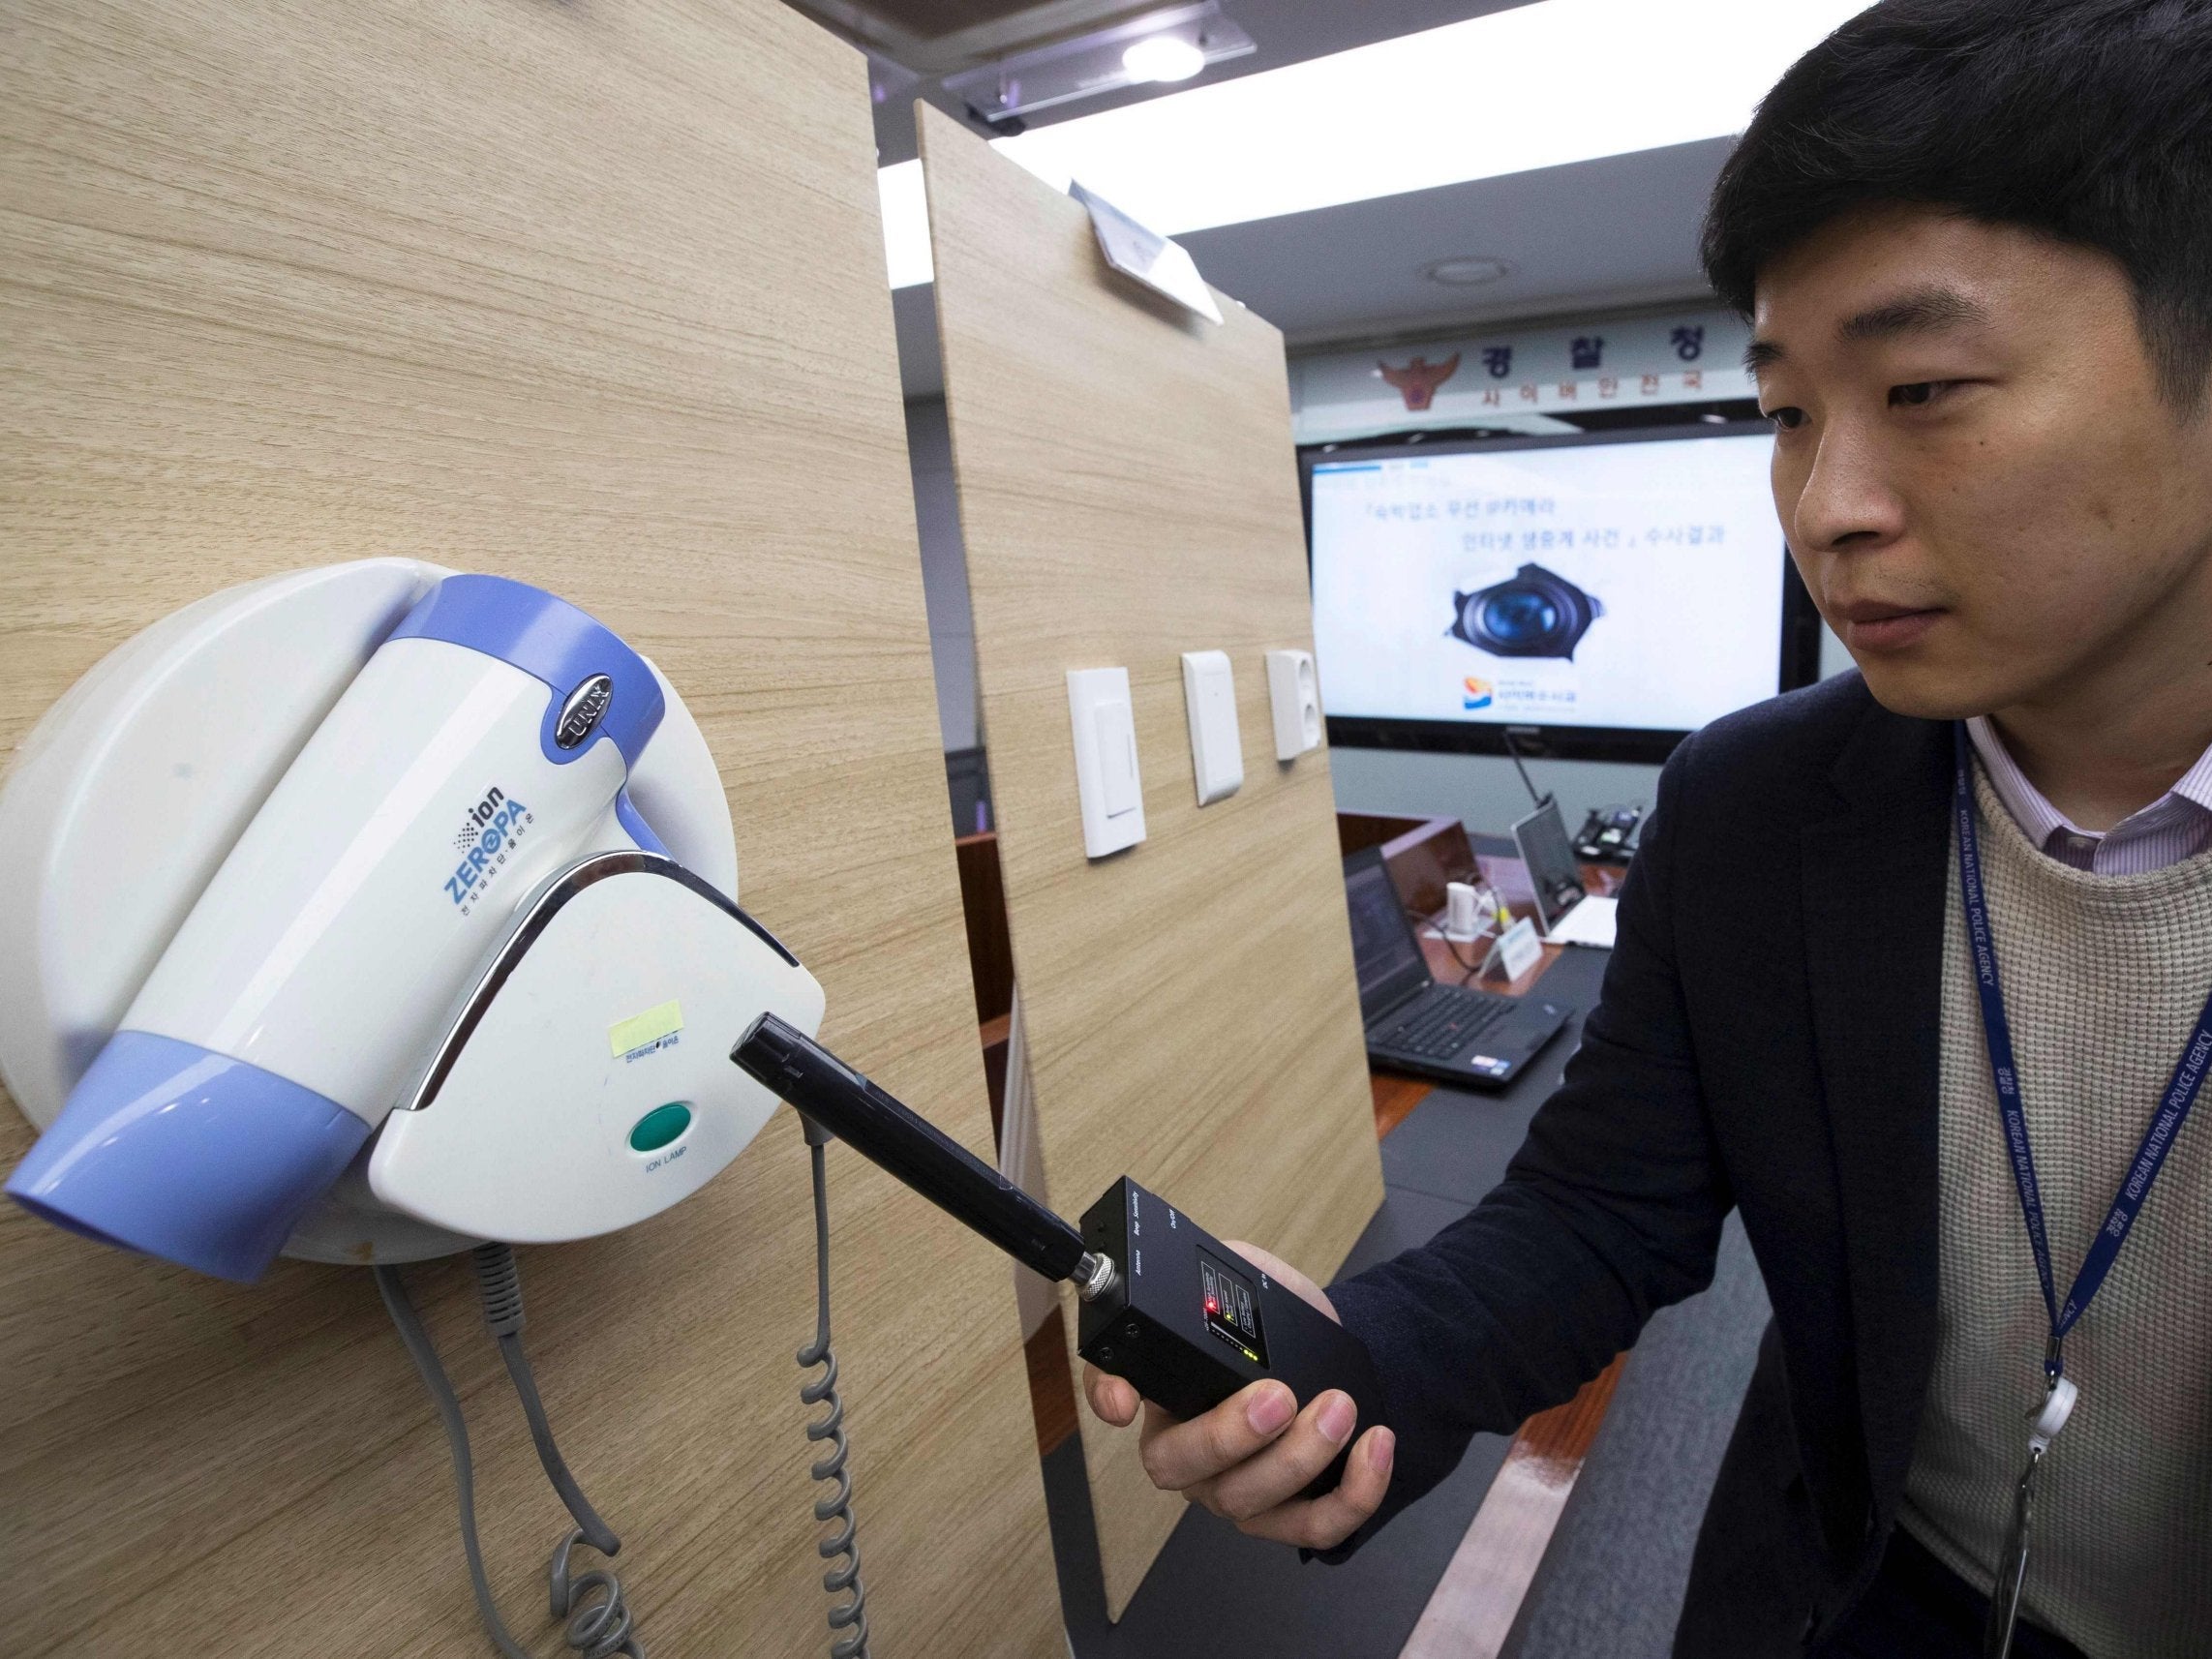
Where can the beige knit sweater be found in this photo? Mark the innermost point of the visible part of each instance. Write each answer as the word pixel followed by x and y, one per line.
pixel 2104 979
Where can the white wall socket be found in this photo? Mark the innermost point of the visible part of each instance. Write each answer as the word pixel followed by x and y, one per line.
pixel 1294 695
pixel 1107 781
pixel 1217 748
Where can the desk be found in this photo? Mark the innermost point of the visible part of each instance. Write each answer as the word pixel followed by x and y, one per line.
pixel 1397 1094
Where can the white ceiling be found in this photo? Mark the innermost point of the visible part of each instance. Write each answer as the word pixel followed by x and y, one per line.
pixel 1593 236
pixel 1617 231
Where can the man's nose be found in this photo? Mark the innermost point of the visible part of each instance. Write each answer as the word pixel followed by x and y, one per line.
pixel 1848 500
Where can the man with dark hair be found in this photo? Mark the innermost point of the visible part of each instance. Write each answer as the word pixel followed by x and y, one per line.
pixel 1940 1049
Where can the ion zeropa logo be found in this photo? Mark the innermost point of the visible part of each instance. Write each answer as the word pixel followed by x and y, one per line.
pixel 488 830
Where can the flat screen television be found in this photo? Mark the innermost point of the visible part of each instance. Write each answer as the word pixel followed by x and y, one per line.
pixel 1598 595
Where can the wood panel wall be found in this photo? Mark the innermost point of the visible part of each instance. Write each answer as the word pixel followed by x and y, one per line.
pixel 1127 492
pixel 589 294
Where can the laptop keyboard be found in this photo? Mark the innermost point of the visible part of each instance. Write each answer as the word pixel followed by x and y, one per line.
pixel 1444 1022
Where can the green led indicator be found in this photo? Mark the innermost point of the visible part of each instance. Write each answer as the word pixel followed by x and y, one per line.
pixel 660 1126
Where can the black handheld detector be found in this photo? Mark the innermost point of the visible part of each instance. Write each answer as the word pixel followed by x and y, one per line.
pixel 1184 1318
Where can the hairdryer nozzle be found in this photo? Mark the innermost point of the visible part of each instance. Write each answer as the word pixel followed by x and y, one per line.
pixel 182 1153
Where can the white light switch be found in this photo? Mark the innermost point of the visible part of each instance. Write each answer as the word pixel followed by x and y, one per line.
pixel 1294 698
pixel 1217 750
pixel 1106 780
pixel 1116 738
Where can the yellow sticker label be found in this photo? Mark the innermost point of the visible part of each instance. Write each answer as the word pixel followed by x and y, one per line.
pixel 643 1029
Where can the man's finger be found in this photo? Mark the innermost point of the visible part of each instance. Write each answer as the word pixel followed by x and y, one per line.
pixel 1178 1454
pixel 1288 1467
pixel 1111 1399
pixel 1323 1523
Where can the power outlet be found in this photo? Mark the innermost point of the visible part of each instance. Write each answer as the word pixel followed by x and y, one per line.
pixel 1294 696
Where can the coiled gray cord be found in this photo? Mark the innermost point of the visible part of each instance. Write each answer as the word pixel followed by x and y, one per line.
pixel 434 1378
pixel 840 1549
pixel 500 1285
pixel 599 1628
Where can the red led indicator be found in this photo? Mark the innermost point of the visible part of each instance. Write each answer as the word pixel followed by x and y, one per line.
pixel 1212 1305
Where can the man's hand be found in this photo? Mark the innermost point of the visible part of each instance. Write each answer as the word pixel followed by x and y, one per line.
pixel 1250 1456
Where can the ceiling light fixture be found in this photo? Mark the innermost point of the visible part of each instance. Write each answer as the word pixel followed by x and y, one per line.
pixel 1471 272
pixel 1163 46
pixel 1164 57
pixel 1470 101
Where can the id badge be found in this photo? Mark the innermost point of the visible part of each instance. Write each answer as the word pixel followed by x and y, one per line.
pixel 2012 1559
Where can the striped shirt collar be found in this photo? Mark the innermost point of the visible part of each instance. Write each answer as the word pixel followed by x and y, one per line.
pixel 2176 826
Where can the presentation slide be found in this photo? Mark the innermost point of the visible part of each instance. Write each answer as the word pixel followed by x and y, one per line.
pixel 1631 585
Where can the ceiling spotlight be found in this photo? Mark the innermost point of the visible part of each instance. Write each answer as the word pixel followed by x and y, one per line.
pixel 1164 57
pixel 1466 273
pixel 1169 44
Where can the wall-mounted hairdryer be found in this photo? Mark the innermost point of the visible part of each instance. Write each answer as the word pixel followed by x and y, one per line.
pixel 368 911
pixel 247 959
pixel 375 911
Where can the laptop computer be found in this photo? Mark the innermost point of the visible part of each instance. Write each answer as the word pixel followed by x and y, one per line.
pixel 1450 1033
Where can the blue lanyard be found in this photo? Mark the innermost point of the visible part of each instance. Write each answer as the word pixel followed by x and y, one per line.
pixel 2173 1108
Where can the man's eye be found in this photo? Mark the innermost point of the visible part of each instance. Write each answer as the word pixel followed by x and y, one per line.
pixel 1916 394
pixel 1787 418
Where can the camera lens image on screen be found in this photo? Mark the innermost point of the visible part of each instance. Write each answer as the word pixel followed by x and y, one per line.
pixel 1535 612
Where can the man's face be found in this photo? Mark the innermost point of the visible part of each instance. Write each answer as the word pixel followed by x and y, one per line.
pixel 1978 478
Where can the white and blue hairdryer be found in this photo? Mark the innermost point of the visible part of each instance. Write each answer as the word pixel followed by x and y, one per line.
pixel 420 922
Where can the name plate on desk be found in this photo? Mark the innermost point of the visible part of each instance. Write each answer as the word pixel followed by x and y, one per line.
pixel 1519 949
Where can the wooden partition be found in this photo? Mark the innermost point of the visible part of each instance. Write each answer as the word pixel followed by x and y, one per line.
pixel 591 295
pixel 1127 492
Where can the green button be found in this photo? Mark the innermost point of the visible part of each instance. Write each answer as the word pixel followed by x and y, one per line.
pixel 660 1126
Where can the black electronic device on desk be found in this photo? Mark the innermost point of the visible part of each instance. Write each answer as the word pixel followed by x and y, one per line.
pixel 1468 1037
pixel 1184 1318
pixel 1608 835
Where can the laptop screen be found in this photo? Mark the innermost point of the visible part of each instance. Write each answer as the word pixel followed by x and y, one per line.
pixel 1389 958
